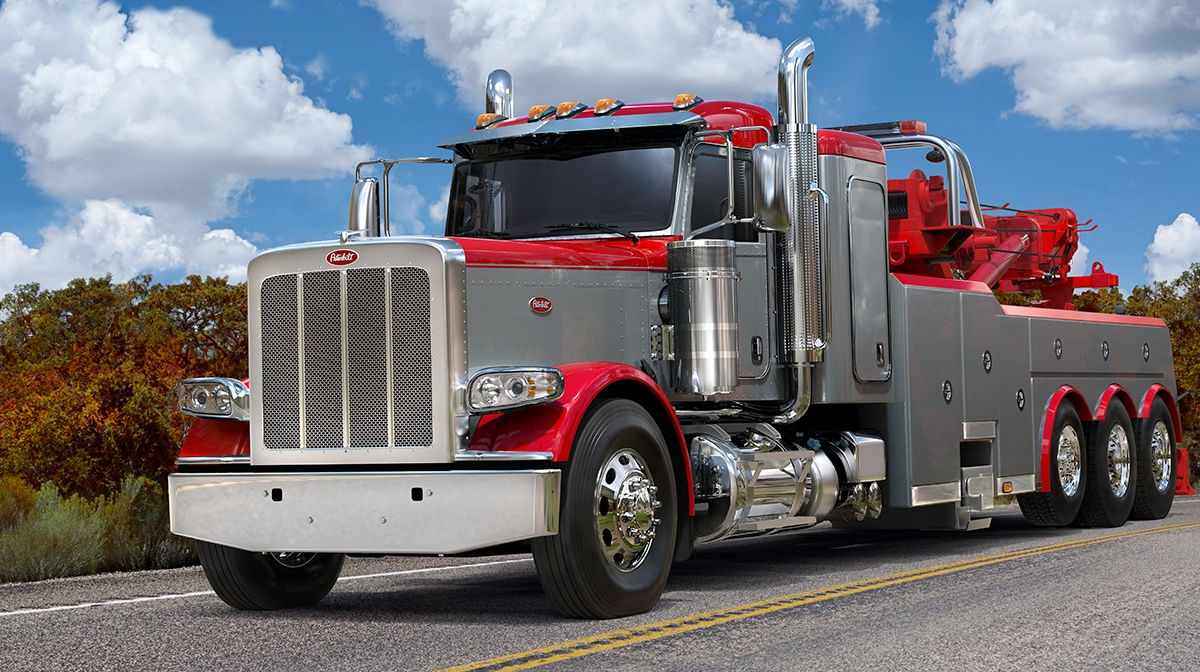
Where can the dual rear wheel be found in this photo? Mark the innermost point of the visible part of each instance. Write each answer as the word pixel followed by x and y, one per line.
pixel 1102 478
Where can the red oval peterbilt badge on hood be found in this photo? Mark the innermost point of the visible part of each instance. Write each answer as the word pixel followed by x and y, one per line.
pixel 342 257
pixel 540 305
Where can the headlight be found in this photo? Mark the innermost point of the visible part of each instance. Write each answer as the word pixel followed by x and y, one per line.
pixel 214 398
pixel 495 390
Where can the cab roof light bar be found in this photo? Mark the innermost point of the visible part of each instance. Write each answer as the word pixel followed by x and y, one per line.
pixel 905 127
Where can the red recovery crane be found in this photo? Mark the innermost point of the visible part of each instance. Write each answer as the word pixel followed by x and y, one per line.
pixel 1007 249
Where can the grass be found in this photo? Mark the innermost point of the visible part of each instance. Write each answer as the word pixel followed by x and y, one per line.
pixel 44 535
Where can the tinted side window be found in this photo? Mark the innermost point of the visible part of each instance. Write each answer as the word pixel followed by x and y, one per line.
pixel 710 194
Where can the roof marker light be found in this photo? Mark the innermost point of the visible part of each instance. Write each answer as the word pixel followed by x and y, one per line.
pixel 606 106
pixel 488 119
pixel 540 112
pixel 570 109
pixel 686 101
pixel 912 127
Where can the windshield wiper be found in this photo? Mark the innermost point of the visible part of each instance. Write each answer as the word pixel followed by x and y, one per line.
pixel 483 233
pixel 592 225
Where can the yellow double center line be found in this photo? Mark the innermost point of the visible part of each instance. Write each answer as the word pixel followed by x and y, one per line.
pixel 619 638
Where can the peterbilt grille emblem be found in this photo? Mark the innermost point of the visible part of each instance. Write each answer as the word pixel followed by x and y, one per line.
pixel 342 257
pixel 540 305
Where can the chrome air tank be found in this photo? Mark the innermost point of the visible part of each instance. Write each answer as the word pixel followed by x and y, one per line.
pixel 702 276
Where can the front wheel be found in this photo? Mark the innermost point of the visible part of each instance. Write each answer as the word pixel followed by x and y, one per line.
pixel 616 541
pixel 266 581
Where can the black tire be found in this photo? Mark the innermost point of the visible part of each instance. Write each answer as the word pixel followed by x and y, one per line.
pixel 267 581
pixel 1112 471
pixel 596 567
pixel 1068 471
pixel 1156 464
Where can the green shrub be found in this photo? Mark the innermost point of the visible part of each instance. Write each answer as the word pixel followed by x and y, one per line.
pixel 73 536
pixel 16 501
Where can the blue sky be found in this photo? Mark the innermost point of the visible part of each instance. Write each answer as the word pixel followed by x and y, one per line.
pixel 183 137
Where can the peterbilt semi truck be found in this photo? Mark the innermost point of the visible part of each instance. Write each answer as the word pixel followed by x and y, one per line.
pixel 651 326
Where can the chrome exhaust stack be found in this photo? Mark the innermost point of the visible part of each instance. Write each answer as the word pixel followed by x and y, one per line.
pixel 802 277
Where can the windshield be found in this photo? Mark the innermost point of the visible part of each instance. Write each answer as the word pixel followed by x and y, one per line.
pixel 564 192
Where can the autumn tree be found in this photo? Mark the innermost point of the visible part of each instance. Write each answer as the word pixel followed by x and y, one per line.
pixel 86 374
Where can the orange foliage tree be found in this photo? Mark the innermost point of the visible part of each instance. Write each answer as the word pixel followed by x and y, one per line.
pixel 86 374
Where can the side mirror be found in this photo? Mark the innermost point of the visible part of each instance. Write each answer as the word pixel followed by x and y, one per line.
pixel 770 188
pixel 364 208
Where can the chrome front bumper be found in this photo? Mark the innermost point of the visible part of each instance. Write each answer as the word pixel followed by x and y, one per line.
pixel 377 512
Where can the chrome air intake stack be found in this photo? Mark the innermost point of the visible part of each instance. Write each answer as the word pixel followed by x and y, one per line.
pixel 802 278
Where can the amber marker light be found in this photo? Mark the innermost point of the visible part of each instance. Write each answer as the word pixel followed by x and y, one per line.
pixel 568 110
pixel 1007 487
pixel 607 106
pixel 488 119
pixel 540 112
pixel 686 101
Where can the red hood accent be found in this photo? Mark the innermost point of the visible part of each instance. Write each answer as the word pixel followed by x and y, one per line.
pixel 593 254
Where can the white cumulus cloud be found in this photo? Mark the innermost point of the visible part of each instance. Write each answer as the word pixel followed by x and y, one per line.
pixel 1131 66
pixel 1079 260
pixel 109 237
pixel 156 125
pixel 629 49
pixel 867 9
pixel 1175 248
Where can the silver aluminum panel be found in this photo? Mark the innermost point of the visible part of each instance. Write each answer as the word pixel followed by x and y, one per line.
pixel 1045 335
pixel 1016 450
pixel 1020 483
pixel 329 391
pixel 753 311
pixel 977 397
pixel 366 512
pixel 936 493
pixel 834 379
pixel 976 430
pixel 868 280
pixel 934 344
pixel 596 315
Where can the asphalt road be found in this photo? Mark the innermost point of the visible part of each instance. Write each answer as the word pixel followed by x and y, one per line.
pixel 1009 597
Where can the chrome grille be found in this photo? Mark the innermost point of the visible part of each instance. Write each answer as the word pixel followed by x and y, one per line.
pixel 322 365
pixel 366 325
pixel 410 348
pixel 278 387
pixel 326 365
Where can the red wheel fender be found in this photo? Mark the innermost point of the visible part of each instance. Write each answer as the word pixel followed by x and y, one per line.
pixel 1157 391
pixel 1070 395
pixel 1117 392
pixel 209 437
pixel 551 427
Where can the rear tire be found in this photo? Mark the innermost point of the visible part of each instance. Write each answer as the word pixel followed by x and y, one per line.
pixel 1156 463
pixel 1068 468
pixel 1112 471
pixel 267 581
pixel 616 539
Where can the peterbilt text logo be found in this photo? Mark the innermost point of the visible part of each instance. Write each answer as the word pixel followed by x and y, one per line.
pixel 540 305
pixel 342 257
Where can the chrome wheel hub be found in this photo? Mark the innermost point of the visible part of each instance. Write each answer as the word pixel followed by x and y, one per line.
pixel 625 507
pixel 1160 456
pixel 1068 460
pixel 293 560
pixel 1118 460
